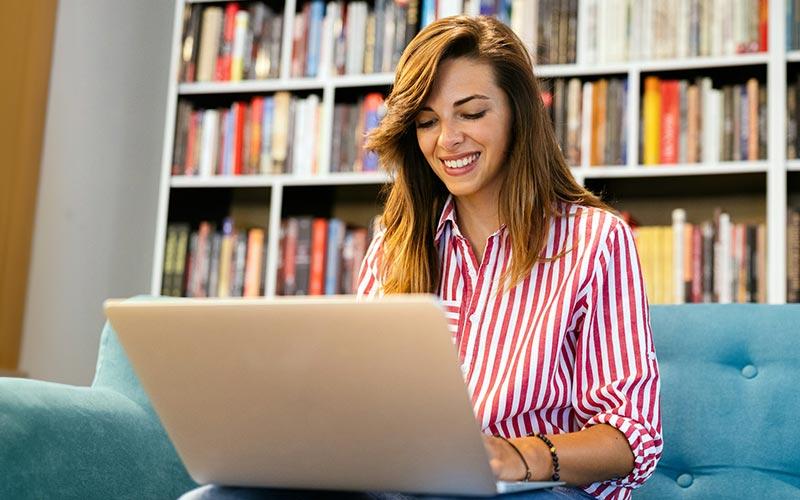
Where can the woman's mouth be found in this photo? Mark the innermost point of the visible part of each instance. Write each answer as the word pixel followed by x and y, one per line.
pixel 461 166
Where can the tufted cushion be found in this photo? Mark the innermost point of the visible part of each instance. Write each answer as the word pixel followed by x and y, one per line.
pixel 730 383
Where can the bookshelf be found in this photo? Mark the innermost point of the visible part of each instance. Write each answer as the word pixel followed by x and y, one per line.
pixel 753 189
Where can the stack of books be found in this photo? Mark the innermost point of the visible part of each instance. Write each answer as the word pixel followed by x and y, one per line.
pixel 205 262
pixel 351 123
pixel 688 122
pixel 275 134
pixel 589 117
pixel 320 256
pixel 715 260
pixel 230 42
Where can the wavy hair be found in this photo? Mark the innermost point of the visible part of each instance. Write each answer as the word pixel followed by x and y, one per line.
pixel 536 177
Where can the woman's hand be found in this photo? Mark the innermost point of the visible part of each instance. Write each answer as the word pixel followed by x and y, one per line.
pixel 506 464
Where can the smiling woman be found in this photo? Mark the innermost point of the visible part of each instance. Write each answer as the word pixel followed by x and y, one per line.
pixel 540 279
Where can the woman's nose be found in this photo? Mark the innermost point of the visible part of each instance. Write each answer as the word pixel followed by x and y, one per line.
pixel 450 137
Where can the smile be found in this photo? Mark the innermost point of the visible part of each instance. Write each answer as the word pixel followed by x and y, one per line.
pixel 461 162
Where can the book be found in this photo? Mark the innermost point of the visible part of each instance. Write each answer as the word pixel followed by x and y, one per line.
pixel 226 255
pixel 253 263
pixel 302 260
pixel 333 257
pixel 319 241
pixel 651 121
pixel 240 35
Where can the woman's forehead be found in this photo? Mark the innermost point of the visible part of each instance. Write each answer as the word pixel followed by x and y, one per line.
pixel 460 78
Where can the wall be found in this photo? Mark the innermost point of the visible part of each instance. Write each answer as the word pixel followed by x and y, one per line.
pixel 27 27
pixel 96 207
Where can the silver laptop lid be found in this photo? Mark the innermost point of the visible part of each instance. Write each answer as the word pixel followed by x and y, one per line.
pixel 320 393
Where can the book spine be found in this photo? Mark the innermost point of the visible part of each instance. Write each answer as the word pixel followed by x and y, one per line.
pixel 255 255
pixel 678 254
pixel 225 57
pixel 670 121
pixel 319 237
pixel 180 265
pixel 241 23
pixel 226 255
pixel 303 255
pixel 333 258
pixel 316 15
pixel 652 120
pixel 290 256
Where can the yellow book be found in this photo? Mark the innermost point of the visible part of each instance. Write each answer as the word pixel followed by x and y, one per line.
pixel 668 265
pixel 656 261
pixel 651 117
pixel 280 131
pixel 643 245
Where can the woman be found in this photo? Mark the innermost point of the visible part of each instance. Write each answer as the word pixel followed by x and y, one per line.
pixel 541 283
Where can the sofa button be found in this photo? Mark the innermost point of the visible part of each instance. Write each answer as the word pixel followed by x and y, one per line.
pixel 685 480
pixel 749 371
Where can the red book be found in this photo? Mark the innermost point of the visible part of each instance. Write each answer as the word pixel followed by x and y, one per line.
pixel 238 136
pixel 223 69
pixel 289 254
pixel 190 161
pixel 763 24
pixel 319 236
pixel 670 121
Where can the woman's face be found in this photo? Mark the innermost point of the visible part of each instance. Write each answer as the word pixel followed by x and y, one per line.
pixel 463 129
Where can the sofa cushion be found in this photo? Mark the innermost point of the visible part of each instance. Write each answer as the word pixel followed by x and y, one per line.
pixel 99 442
pixel 729 400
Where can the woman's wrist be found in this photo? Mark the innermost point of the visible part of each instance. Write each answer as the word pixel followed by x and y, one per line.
pixel 538 456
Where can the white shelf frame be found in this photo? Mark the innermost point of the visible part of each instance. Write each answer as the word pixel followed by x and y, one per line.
pixel 776 167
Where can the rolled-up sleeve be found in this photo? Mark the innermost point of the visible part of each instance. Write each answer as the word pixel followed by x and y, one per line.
pixel 616 371
pixel 369 283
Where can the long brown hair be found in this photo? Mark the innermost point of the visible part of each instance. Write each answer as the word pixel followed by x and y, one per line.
pixel 536 178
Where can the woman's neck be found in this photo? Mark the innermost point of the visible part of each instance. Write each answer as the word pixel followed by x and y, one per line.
pixel 477 220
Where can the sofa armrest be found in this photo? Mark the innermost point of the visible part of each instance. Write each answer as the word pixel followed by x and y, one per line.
pixel 60 441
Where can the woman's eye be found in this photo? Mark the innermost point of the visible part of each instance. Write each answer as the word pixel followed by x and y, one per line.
pixel 474 116
pixel 425 124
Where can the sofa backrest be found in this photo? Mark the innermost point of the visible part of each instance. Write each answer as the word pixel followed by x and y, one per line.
pixel 730 400
pixel 114 371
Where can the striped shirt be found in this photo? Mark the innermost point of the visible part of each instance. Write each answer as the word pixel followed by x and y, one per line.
pixel 568 347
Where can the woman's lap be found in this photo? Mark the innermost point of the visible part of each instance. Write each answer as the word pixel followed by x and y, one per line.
pixel 232 493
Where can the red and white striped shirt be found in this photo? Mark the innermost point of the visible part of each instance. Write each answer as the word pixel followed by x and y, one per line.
pixel 567 348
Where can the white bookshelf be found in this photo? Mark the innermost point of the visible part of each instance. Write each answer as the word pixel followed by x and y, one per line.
pixel 775 168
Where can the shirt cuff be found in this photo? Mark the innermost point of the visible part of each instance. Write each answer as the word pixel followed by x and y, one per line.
pixel 645 442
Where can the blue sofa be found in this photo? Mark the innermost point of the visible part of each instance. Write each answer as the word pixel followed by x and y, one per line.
pixel 730 400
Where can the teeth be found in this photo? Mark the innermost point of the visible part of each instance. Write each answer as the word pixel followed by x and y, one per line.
pixel 461 163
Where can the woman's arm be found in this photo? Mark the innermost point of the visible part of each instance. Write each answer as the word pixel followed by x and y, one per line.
pixel 616 385
pixel 597 453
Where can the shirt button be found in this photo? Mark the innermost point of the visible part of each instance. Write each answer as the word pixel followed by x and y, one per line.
pixel 684 480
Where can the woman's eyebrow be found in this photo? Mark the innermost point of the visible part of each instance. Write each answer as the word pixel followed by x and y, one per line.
pixel 460 101
pixel 467 99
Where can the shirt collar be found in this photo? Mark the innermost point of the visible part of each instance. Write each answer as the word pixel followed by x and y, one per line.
pixel 448 215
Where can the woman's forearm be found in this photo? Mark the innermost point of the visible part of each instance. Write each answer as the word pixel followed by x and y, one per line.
pixel 598 453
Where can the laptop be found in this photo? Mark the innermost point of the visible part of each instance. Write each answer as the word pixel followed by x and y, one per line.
pixel 323 393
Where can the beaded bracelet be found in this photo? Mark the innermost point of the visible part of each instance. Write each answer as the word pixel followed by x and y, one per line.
pixel 553 454
pixel 522 457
